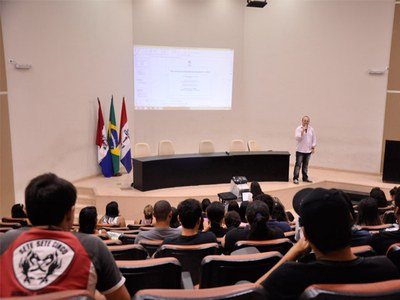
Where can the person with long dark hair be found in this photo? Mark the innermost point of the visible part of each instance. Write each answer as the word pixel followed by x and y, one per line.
pixel 112 216
pixel 88 219
pixel 257 214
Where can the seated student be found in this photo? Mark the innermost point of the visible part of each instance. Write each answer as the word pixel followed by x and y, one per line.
pixel 88 219
pixel 273 223
pixel 255 190
pixel 232 220
pixel 379 196
pixel 359 236
pixel 174 223
pixel 393 193
pixel 162 229
pixel 204 204
pixel 328 235
pixel 368 213
pixel 17 211
pixel 257 214
pixel 233 205
pixel 49 257
pixel 382 240
pixel 279 211
pixel 189 215
pixel 215 214
pixel 148 212
pixel 112 216
pixel 242 213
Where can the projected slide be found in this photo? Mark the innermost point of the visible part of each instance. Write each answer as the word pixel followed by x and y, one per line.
pixel 182 78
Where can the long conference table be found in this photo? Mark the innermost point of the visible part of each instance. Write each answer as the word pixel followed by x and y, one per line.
pixel 156 172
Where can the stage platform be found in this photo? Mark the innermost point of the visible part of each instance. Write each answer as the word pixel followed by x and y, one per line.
pixel 99 190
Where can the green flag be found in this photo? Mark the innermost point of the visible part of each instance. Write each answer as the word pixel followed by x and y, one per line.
pixel 112 138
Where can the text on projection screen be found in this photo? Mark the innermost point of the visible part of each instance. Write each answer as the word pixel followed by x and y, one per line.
pixel 182 78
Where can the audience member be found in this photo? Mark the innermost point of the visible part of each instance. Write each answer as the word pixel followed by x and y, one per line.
pixel 279 211
pixel 382 240
pixel 204 204
pixel 233 205
pixel 368 213
pixel 88 219
pixel 379 196
pixel 359 236
pixel 257 214
pixel 328 235
pixel 393 193
pixel 232 220
pixel 162 229
pixel 174 219
pixel 273 223
pixel 148 215
pixel 215 214
pixel 189 215
pixel 112 216
pixel 48 256
pixel 255 189
pixel 242 212
pixel 18 211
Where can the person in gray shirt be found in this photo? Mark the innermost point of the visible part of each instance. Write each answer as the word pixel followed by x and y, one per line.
pixel 161 230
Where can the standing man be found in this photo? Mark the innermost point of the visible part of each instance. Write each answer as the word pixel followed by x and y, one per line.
pixel 306 142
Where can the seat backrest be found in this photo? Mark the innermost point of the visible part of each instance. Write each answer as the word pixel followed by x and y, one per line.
pixel 127 238
pixel 22 221
pixel 206 146
pixel 157 273
pixel 389 217
pixel 166 147
pixel 13 225
pixel 253 146
pixel 363 251
pixel 221 270
pixel 141 150
pixel 376 227
pixel 245 291
pixel 281 245
pixel 393 253
pixel 151 245
pixel 384 290
pixel 59 295
pixel 128 252
pixel 111 242
pixel 190 256
pixel 237 146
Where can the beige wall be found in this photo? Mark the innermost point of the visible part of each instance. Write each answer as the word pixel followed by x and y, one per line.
pixel 291 58
pixel 392 119
pixel 6 172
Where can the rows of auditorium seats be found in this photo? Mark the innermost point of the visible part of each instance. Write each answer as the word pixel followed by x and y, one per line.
pixel 150 264
pixel 166 147
pixel 156 271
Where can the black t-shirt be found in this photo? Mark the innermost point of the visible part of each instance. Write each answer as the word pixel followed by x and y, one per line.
pixel 382 241
pixel 290 279
pixel 200 238
pixel 241 234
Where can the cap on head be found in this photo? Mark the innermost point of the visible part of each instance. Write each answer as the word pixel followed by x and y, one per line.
pixel 326 219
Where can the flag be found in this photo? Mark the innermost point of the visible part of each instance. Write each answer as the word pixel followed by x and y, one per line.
pixel 124 140
pixel 112 138
pixel 103 151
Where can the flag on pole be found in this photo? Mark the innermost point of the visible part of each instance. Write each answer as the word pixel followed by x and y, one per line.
pixel 112 138
pixel 124 140
pixel 103 151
